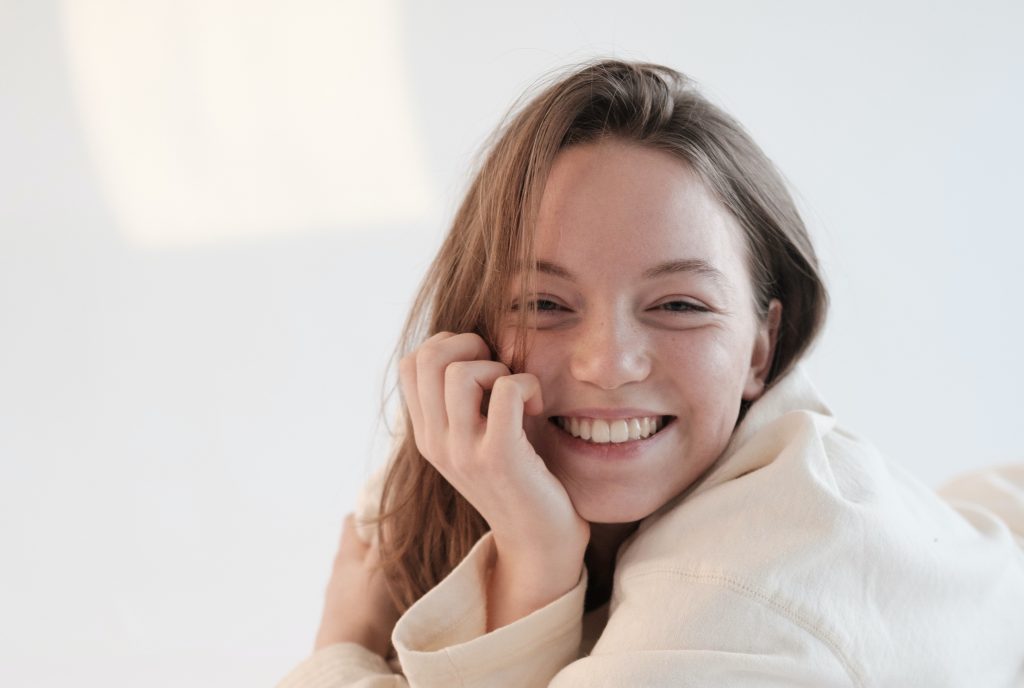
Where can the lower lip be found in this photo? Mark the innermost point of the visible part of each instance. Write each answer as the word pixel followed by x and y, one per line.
pixel 611 451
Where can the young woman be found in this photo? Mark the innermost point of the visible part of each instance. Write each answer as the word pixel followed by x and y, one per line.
pixel 613 471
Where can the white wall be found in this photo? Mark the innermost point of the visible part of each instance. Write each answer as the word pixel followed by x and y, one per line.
pixel 185 417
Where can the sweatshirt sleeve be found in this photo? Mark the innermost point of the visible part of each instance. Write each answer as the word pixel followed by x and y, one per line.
pixel 999 490
pixel 344 665
pixel 442 639
pixel 708 630
pixel 737 643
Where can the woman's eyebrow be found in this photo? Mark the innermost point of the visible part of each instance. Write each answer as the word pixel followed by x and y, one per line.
pixel 668 267
pixel 701 267
pixel 555 270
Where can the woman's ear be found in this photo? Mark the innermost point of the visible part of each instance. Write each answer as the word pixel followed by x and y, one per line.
pixel 764 351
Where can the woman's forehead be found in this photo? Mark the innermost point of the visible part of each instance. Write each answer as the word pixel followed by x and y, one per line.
pixel 619 206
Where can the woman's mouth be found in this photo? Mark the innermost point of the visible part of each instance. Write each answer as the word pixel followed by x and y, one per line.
pixel 617 431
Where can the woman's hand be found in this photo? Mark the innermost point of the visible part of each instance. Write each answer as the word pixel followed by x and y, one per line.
pixel 540 539
pixel 357 608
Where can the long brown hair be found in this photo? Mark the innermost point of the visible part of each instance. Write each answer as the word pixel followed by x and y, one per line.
pixel 426 526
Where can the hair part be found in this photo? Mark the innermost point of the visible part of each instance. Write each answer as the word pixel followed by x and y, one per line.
pixel 426 526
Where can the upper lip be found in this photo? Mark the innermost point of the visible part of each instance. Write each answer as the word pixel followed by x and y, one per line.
pixel 608 413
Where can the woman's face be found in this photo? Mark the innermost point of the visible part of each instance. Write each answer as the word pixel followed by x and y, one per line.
pixel 644 308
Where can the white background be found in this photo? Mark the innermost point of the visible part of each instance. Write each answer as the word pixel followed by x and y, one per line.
pixel 213 217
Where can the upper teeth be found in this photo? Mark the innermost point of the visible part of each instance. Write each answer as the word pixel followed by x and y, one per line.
pixel 604 431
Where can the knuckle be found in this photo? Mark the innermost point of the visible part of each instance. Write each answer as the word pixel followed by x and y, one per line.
pixel 506 384
pixel 434 337
pixel 455 368
pixel 528 382
pixel 429 354
pixel 457 371
pixel 473 338
pixel 471 341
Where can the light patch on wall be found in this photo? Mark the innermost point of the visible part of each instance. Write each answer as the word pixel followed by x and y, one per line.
pixel 220 120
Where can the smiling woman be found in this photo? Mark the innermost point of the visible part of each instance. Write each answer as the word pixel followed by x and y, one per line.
pixel 613 469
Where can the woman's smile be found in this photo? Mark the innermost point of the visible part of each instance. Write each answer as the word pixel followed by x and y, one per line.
pixel 606 447
pixel 615 430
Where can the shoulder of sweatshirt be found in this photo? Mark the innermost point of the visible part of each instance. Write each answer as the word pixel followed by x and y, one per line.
pixel 810 523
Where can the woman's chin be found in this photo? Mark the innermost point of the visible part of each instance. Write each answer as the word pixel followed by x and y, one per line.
pixel 612 509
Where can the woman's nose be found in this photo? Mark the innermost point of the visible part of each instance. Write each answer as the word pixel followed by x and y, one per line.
pixel 610 352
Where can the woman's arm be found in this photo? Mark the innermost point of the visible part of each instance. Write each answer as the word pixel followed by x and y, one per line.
pixel 997 489
pixel 357 606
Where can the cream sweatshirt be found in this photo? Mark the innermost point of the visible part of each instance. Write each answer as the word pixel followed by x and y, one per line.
pixel 801 558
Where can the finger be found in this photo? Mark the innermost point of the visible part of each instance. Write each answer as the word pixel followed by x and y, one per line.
pixel 407 377
pixel 510 397
pixel 410 395
pixel 431 361
pixel 464 386
pixel 407 380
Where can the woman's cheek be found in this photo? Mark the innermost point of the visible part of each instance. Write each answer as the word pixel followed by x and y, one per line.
pixel 506 347
pixel 718 351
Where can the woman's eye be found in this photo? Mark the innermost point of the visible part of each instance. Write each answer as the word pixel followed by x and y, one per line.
pixel 682 307
pixel 540 306
pixel 544 305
